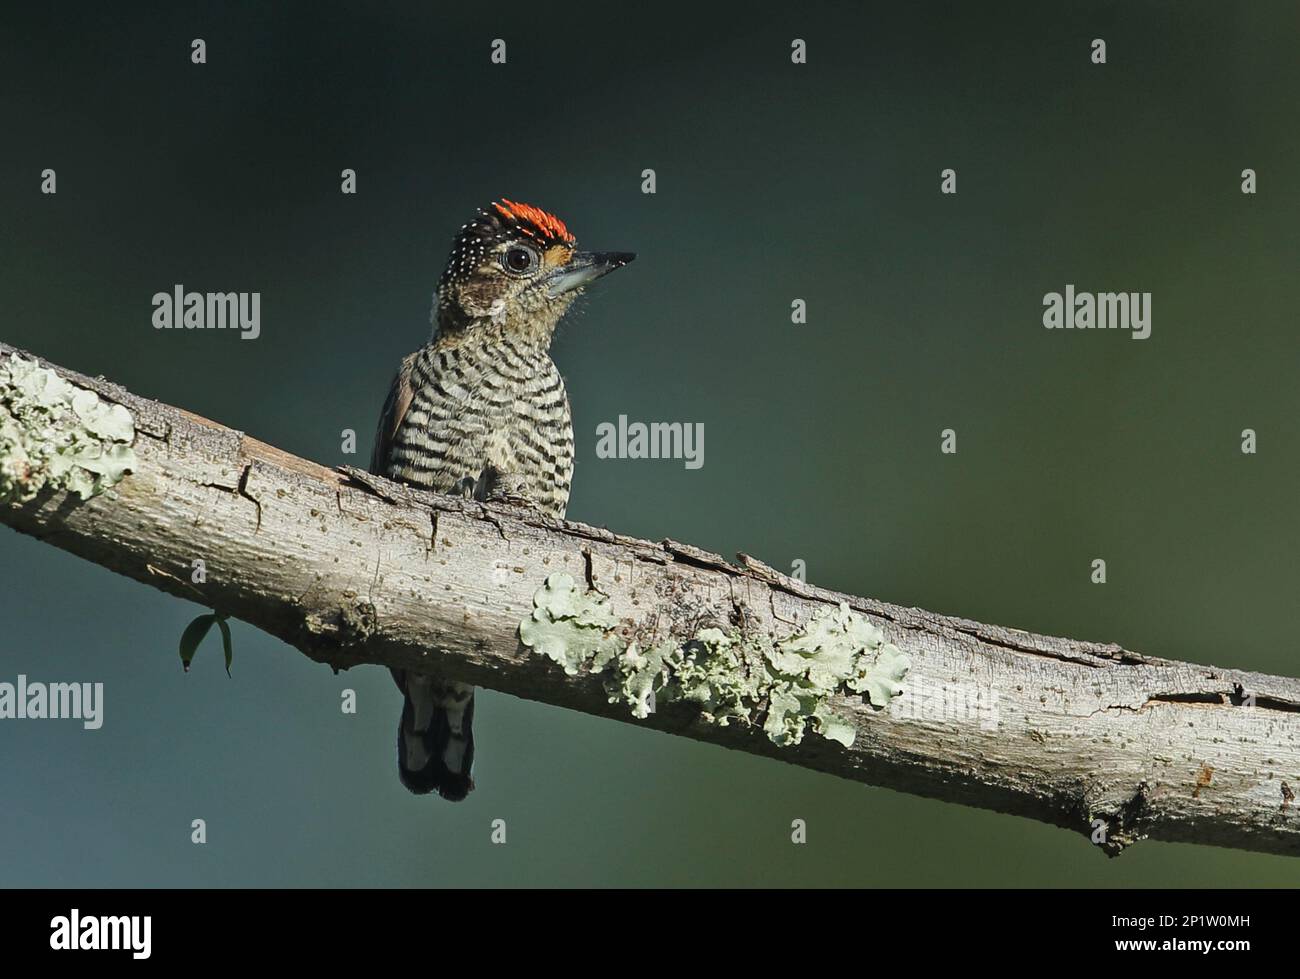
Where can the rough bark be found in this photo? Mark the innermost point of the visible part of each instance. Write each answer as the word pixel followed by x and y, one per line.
pixel 350 568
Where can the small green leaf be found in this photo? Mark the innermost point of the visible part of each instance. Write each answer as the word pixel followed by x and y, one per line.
pixel 225 642
pixel 192 636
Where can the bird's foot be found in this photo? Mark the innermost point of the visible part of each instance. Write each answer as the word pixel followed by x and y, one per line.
pixel 512 500
pixel 506 489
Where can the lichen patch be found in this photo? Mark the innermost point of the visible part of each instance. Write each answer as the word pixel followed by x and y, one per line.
pixel 55 435
pixel 783 686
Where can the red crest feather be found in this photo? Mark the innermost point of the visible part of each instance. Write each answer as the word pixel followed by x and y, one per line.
pixel 525 215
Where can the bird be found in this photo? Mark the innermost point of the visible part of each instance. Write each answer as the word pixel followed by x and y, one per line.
pixel 481 411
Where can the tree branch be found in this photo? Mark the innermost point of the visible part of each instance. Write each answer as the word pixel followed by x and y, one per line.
pixel 351 568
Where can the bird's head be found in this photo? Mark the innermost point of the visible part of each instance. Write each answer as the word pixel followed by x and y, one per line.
pixel 516 267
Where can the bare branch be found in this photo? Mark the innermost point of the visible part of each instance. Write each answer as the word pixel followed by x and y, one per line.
pixel 351 568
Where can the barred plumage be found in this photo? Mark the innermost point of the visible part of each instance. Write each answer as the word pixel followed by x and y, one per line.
pixel 473 410
pixel 482 410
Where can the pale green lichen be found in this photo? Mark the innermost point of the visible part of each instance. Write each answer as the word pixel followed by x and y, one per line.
pixel 568 626
pixel 784 686
pixel 56 435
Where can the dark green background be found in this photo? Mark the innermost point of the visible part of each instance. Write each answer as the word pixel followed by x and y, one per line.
pixel 775 181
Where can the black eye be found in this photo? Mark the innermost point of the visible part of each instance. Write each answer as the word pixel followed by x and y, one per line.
pixel 519 259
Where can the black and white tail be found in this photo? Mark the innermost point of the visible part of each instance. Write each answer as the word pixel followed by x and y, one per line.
pixel 435 737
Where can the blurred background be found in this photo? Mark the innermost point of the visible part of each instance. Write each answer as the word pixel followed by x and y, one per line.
pixel 775 181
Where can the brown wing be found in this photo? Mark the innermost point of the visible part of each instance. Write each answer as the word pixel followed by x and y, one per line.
pixel 395 408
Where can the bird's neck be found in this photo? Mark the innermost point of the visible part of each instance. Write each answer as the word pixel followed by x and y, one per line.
pixel 488 349
pixel 531 338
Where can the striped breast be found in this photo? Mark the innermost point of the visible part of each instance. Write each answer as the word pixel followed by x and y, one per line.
pixel 490 403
